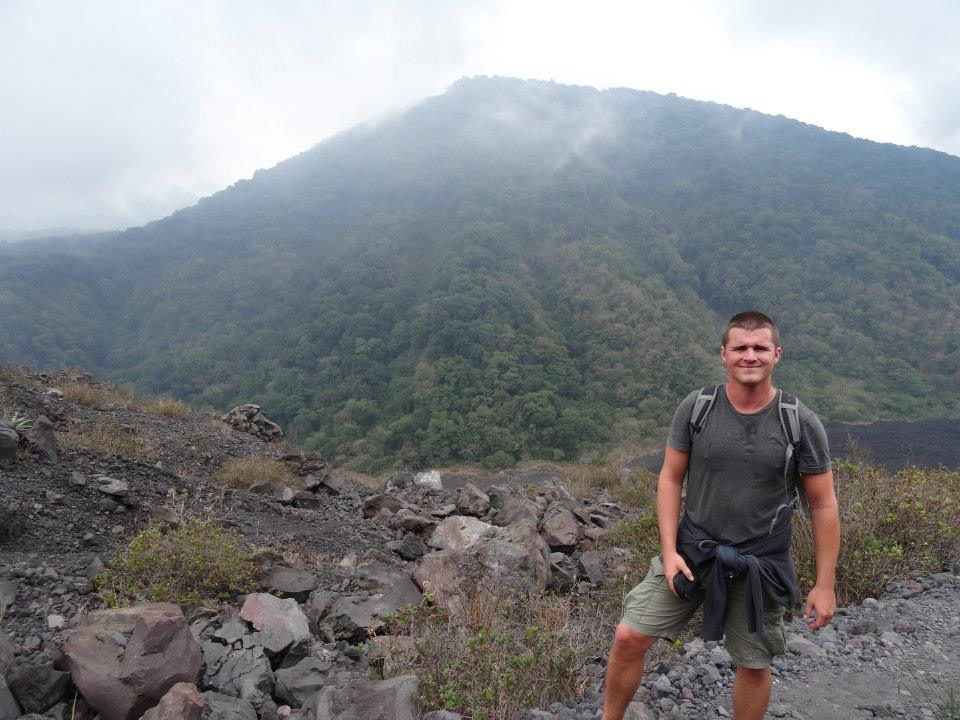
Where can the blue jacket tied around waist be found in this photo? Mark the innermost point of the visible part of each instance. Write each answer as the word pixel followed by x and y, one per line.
pixel 765 562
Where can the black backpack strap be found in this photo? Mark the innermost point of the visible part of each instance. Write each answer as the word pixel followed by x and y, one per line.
pixel 790 417
pixel 701 408
pixel 788 410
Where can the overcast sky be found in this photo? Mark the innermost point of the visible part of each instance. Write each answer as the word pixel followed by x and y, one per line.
pixel 116 113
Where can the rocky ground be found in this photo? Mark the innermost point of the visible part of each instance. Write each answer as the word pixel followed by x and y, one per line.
pixel 341 556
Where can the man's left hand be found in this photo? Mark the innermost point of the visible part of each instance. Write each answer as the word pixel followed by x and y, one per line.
pixel 821 605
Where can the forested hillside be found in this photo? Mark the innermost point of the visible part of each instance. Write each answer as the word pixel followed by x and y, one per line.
pixel 520 269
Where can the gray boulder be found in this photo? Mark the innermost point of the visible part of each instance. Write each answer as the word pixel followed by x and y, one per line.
pixel 393 699
pixel 516 554
pixel 458 532
pixel 182 702
pixel 298 684
pixel 42 439
pixel 591 567
pixel 249 419
pixel 38 687
pixel 296 584
pixel 355 617
pixel 123 661
pixel 218 706
pixel 239 669
pixel 563 572
pixel 9 709
pixel 9 440
pixel 414 522
pixel 317 606
pixel 516 510
pixel 112 486
pixel 279 623
pixel 409 547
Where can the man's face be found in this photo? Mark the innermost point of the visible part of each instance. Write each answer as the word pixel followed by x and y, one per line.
pixel 750 356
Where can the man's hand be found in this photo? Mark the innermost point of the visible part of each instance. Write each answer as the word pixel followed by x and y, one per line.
pixel 672 564
pixel 821 605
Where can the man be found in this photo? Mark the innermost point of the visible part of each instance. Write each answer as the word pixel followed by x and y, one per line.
pixel 738 486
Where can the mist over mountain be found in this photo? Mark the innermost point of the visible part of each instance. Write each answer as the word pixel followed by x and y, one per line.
pixel 520 269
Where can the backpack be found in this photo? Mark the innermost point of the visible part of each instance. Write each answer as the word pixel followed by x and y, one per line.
pixel 788 411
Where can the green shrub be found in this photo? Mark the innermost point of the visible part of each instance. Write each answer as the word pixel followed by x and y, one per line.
pixel 194 563
pixel 244 472
pixel 890 525
pixel 506 651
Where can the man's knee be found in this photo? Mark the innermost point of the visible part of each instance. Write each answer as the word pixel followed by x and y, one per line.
pixel 627 641
pixel 753 674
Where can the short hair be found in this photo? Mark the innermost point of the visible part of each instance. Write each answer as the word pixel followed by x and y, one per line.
pixel 751 320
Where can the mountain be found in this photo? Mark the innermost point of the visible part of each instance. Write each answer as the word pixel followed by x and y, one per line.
pixel 521 269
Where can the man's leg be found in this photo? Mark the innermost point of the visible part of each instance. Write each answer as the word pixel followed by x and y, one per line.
pixel 751 693
pixel 624 670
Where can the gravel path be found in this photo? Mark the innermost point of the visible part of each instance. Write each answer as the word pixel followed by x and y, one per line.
pixel 897 657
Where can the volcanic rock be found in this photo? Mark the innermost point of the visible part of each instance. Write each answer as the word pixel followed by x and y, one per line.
pixel 42 439
pixel 123 661
pixel 182 702
pixel 279 622
pixel 393 699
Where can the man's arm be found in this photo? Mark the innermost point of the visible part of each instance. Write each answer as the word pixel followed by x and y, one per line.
pixel 669 489
pixel 822 600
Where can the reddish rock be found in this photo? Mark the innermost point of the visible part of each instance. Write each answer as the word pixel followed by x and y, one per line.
pixel 561 531
pixel 515 510
pixel 124 661
pixel 473 501
pixel 438 575
pixel 182 702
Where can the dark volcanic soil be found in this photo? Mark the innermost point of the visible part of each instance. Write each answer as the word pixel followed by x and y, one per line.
pixel 896 444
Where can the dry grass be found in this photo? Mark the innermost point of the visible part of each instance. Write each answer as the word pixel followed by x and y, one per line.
pixel 636 488
pixel 244 472
pixel 166 407
pixel 104 396
pixel 110 440
pixel 371 482
pixel 98 397
pixel 507 650
pixel 890 525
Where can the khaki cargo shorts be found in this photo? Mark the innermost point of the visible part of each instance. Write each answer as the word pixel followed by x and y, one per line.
pixel 652 609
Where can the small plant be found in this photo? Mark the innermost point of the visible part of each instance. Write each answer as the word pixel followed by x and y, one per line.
pixel 244 472
pixel 891 524
pixel 20 423
pixel 194 563
pixel 507 650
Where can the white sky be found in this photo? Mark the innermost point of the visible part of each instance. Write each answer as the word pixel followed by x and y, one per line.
pixel 114 113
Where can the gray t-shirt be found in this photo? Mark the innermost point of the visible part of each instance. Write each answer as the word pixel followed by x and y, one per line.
pixel 735 478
